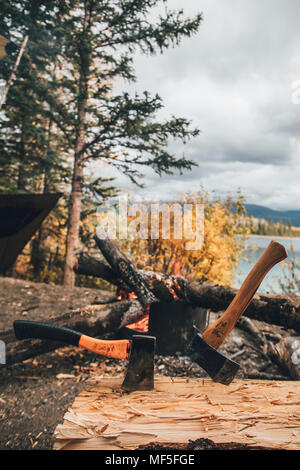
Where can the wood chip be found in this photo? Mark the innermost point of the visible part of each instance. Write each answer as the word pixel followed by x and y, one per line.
pixel 104 417
pixel 66 376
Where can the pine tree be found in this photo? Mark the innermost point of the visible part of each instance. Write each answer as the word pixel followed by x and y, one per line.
pixel 93 42
pixel 29 161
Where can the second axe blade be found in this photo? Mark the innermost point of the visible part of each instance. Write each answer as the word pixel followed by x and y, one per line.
pixel 140 350
pixel 203 348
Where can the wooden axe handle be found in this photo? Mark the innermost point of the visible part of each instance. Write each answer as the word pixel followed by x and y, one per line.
pixel 216 333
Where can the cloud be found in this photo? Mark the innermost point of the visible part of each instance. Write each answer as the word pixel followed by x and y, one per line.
pixel 234 81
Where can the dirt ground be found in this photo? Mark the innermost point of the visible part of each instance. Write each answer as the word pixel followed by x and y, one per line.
pixel 35 394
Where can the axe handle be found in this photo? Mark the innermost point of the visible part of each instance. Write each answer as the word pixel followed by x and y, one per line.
pixel 119 349
pixel 216 333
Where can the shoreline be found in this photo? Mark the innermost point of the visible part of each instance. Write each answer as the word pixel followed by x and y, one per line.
pixel 275 236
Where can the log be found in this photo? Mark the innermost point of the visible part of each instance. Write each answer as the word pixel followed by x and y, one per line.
pixel 93 320
pixel 258 414
pixel 280 310
pixel 91 267
pixel 124 268
pixel 156 282
pixel 173 325
pixel 284 353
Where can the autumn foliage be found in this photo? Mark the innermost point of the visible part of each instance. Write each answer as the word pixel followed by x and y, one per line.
pixel 224 236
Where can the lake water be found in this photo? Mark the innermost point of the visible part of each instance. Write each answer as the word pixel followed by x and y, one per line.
pixel 255 246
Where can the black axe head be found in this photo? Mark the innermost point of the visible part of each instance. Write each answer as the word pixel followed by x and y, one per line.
pixel 140 370
pixel 219 367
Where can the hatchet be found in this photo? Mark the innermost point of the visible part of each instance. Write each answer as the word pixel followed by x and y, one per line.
pixel 203 348
pixel 139 350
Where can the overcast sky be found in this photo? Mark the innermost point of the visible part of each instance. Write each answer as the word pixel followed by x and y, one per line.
pixel 234 81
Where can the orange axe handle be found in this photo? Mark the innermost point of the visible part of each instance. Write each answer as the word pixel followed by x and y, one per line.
pixel 119 349
pixel 216 333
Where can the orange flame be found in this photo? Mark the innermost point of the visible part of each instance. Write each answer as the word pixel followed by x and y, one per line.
pixel 143 324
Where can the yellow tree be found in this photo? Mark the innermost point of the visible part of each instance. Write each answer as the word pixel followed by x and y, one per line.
pixel 214 262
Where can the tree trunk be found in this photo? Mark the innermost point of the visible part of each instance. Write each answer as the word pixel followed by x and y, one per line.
pixel 37 254
pixel 21 182
pixel 14 70
pixel 75 203
pixel 74 218
pixel 182 414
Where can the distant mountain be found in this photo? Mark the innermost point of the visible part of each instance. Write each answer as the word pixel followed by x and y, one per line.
pixel 261 212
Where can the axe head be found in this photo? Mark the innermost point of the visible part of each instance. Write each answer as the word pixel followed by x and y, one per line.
pixel 140 370
pixel 219 367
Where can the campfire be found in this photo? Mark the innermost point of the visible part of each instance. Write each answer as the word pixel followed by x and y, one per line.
pixel 168 307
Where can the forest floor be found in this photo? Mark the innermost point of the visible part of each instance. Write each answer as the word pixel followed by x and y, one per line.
pixel 35 394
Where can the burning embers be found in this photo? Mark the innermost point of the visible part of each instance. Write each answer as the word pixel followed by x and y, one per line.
pixel 143 324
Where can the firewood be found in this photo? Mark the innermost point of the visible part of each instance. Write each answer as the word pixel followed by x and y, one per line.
pixel 285 353
pixel 158 283
pixel 257 336
pixel 92 267
pixel 124 268
pixel 281 310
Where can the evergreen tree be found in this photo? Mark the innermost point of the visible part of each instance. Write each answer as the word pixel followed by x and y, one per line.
pixel 29 160
pixel 93 43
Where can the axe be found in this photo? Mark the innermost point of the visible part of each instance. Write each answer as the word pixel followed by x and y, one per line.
pixel 139 350
pixel 203 348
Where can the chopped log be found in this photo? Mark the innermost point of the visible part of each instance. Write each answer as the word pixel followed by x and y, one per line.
pixel 158 283
pixel 124 268
pixel 250 412
pixel 281 310
pixel 173 325
pixel 93 320
pixel 91 267
pixel 257 336
pixel 285 353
